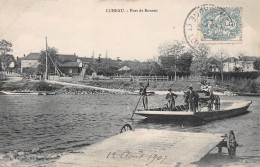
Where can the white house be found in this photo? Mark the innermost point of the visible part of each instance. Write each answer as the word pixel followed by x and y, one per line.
pixel 229 64
pixel 246 63
pixel 243 64
pixel 31 60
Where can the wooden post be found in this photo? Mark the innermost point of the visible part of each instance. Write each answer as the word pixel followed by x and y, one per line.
pixel 46 62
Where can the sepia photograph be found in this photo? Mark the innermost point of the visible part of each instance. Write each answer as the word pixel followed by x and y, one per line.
pixel 129 83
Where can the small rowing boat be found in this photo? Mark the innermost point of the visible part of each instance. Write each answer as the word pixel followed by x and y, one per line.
pixel 25 93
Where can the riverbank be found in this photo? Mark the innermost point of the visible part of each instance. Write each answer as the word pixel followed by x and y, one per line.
pixel 122 87
pixel 243 85
pixel 93 87
pixel 50 87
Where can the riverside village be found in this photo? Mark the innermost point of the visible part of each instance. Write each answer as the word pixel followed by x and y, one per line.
pixel 59 79
pixel 84 87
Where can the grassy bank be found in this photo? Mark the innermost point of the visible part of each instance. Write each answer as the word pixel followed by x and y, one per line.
pixel 244 85
pixel 133 85
pixel 25 85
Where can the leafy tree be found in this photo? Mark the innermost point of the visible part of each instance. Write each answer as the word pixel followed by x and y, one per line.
pixel 184 62
pixel 199 65
pixel 5 56
pixel 5 47
pixel 169 53
pixel 257 64
pixel 30 71
pixel 51 60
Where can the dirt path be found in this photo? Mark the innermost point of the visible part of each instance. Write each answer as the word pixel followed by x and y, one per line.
pixel 87 86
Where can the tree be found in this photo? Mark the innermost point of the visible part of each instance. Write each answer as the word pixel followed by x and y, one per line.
pixel 184 62
pixel 5 47
pixel 169 53
pixel 199 65
pixel 51 60
pixel 257 64
pixel 5 56
pixel 221 56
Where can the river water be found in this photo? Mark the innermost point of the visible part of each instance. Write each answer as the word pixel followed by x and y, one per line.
pixel 36 128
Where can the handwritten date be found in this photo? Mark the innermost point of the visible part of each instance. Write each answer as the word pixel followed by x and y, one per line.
pixel 148 158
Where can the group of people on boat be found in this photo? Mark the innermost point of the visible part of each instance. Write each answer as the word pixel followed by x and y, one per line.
pixel 191 97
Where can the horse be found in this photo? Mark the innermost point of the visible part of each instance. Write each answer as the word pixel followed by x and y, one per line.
pixel 214 100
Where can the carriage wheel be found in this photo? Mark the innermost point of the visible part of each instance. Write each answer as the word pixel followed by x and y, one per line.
pixel 125 128
pixel 231 144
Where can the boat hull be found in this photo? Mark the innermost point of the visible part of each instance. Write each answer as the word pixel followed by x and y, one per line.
pixel 198 116
pixel 222 114
pixel 248 94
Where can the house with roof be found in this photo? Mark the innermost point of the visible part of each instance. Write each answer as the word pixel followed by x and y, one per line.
pixel 213 65
pixel 230 64
pixel 31 60
pixel 67 64
pixel 246 63
pixel 242 64
pixel 85 61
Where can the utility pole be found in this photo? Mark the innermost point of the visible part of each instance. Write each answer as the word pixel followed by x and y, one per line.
pixel 221 66
pixel 175 72
pixel 46 65
pixel 93 54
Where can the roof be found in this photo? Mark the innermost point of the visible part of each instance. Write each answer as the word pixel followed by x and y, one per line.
pixel 68 64
pixel 212 60
pixel 32 56
pixel 230 59
pixel 125 68
pixel 248 58
pixel 86 59
pixel 67 58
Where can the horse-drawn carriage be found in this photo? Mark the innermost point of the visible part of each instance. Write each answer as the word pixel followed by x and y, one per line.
pixel 208 101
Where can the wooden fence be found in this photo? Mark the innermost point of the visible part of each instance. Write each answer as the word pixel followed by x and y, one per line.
pixel 164 78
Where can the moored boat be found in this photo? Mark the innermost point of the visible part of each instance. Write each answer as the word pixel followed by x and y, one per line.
pixel 25 93
pixel 19 93
pixel 247 94
pixel 228 109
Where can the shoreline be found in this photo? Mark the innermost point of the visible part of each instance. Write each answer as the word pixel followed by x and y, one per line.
pixel 36 87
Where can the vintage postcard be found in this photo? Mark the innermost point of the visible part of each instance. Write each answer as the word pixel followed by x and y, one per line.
pixel 129 83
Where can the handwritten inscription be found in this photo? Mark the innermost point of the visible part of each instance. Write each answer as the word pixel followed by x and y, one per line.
pixel 147 158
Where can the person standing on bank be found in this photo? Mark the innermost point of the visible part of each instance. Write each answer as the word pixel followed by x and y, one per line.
pixel 171 99
pixel 143 93
pixel 192 98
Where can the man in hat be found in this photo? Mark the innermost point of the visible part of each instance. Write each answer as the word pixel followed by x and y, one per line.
pixel 143 93
pixel 192 99
pixel 171 99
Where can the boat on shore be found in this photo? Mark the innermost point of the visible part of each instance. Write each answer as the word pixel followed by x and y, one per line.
pixel 25 93
pixel 247 94
pixel 228 109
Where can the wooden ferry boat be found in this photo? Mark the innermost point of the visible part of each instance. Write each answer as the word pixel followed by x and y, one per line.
pixel 228 109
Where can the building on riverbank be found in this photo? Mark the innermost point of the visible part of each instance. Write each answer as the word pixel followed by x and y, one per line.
pixel 31 60
pixel 241 64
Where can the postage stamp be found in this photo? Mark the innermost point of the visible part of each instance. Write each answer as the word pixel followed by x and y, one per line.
pixel 220 24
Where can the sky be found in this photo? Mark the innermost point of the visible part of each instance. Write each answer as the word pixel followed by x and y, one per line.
pixel 83 27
